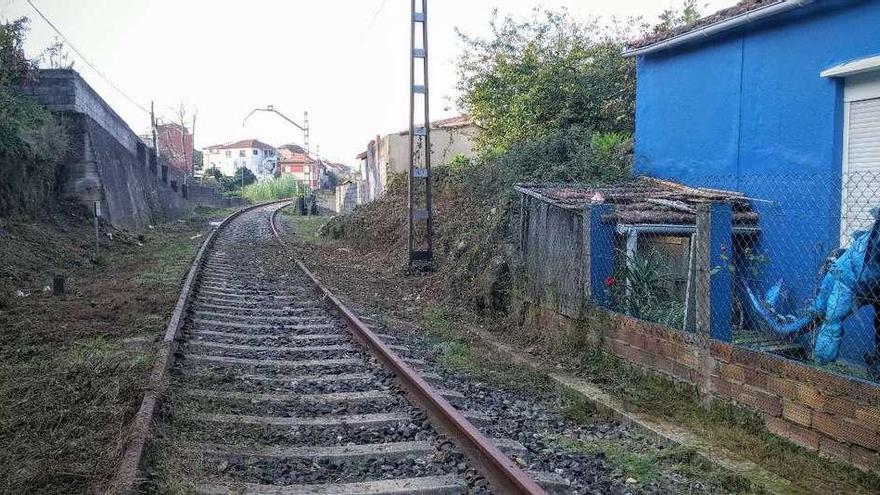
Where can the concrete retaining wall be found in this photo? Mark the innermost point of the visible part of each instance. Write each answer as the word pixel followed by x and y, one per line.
pixel 108 163
pixel 208 196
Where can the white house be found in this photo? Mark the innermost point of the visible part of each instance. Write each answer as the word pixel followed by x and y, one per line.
pixel 259 157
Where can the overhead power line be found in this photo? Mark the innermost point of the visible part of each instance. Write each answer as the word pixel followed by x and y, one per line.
pixel 86 60
pixel 373 20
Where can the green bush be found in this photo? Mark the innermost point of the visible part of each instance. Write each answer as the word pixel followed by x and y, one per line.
pixel 641 289
pixel 278 188
pixel 33 143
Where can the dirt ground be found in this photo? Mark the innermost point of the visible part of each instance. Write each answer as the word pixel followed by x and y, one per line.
pixel 73 367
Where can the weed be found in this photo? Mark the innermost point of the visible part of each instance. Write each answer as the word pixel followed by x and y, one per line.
pixel 641 289
pixel 306 228
pixel 736 428
pixel 577 408
pixel 283 187
pixel 480 361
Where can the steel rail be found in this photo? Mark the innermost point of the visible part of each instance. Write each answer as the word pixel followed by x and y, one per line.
pixel 125 474
pixel 504 475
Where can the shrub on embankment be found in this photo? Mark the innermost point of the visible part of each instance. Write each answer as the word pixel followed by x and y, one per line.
pixel 555 100
pixel 473 209
pixel 33 140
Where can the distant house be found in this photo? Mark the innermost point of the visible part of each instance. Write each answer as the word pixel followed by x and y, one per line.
pixel 296 161
pixel 389 154
pixel 340 170
pixel 778 99
pixel 175 148
pixel 257 156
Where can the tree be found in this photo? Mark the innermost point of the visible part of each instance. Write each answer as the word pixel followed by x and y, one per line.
pixel 15 67
pixel 332 179
pixel 547 73
pixel 177 144
pixel 198 160
pixel 243 177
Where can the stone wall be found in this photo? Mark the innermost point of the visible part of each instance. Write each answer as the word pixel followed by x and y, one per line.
pixel 351 194
pixel 64 90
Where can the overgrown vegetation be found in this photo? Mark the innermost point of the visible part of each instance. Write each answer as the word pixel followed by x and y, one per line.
pixel 33 140
pixel 640 288
pixel 547 73
pixel 242 178
pixel 283 187
pixel 555 100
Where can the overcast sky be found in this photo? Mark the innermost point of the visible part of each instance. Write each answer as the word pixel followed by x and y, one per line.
pixel 345 61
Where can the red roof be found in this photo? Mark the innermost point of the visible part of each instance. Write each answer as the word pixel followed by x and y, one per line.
pixel 462 120
pixel 245 143
pixel 743 7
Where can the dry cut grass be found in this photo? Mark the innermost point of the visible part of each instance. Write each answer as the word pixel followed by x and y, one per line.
pixel 73 368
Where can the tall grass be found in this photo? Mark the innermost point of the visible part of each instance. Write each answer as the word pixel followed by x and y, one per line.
pixel 278 188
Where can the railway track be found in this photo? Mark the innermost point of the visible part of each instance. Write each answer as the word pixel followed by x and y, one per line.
pixel 279 389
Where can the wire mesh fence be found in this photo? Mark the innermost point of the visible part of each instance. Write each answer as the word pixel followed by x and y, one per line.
pixel 806 285
pixel 792 268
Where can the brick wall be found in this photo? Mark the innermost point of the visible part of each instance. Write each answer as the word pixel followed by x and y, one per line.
pixel 836 415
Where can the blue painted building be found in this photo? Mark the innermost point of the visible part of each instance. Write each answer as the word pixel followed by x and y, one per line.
pixel 778 99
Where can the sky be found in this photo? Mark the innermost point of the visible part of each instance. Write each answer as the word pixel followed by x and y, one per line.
pixel 344 61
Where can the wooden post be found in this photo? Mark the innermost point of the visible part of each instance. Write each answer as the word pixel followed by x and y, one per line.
pixel 712 286
pixel 713 301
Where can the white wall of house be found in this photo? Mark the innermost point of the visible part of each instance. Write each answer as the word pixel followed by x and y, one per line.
pixel 228 161
pixel 446 144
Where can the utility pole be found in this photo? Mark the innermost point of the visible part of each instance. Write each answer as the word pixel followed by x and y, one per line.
pixel 305 129
pixel 420 219
pixel 306 143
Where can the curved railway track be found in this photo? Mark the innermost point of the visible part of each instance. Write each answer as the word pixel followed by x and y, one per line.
pixel 277 388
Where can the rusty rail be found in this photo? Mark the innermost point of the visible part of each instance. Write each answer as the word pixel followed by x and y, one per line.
pixel 125 474
pixel 502 473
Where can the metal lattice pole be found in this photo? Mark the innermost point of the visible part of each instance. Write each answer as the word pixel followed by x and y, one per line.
pixel 420 248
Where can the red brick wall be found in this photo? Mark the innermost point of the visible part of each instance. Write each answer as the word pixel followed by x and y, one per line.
pixel 833 414
pixel 176 146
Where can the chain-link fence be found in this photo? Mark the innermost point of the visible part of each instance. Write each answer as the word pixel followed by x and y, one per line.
pixel 806 284
pixel 789 264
